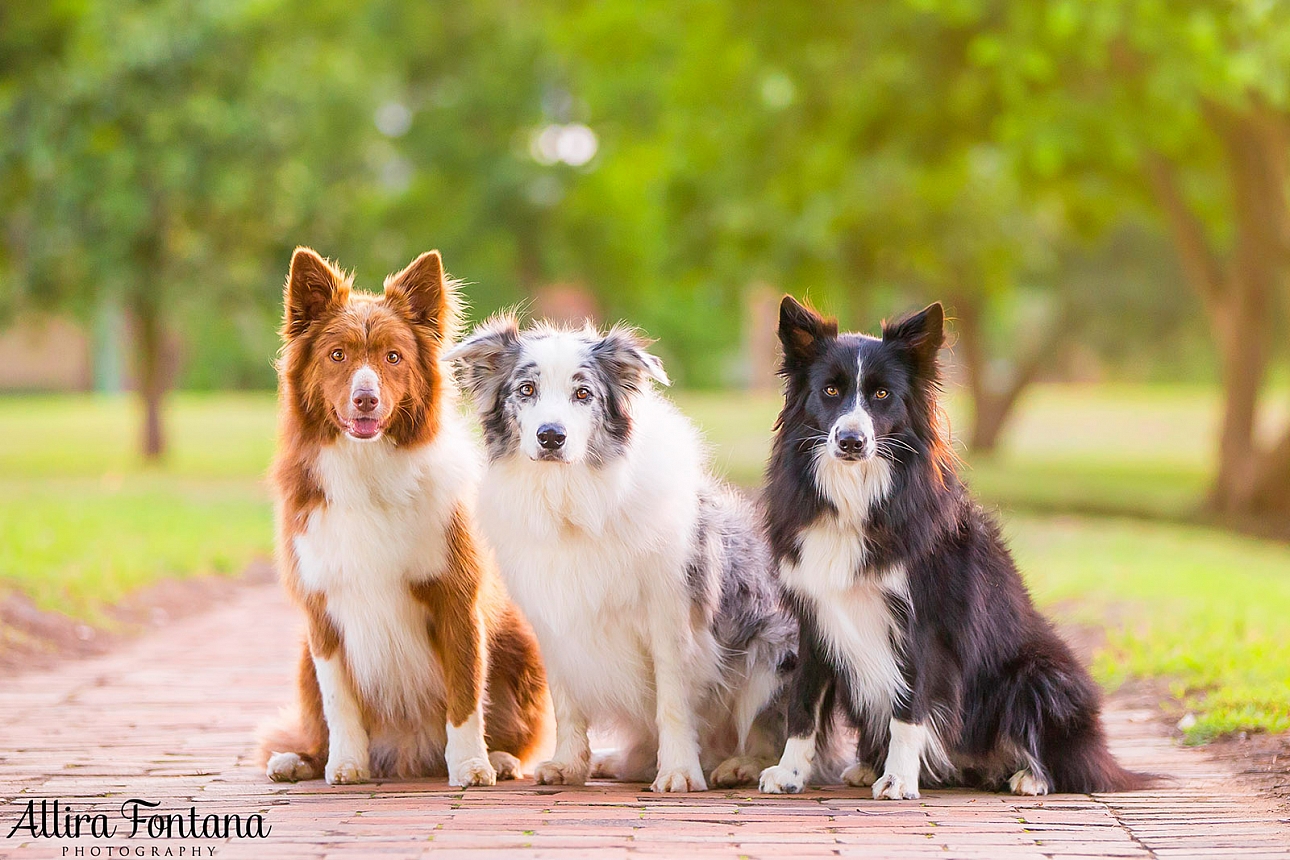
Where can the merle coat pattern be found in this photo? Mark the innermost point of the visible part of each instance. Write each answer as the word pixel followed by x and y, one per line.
pixel 914 619
pixel 648 583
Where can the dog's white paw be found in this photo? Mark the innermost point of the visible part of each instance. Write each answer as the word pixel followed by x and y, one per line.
pixel 675 779
pixel 738 770
pixel 347 771
pixel 288 767
pixel 1025 782
pixel 559 773
pixel 506 765
pixel 895 787
pixel 778 779
pixel 606 765
pixel 475 770
pixel 860 775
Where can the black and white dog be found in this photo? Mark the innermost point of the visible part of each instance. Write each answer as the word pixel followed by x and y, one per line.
pixel 914 619
pixel 648 584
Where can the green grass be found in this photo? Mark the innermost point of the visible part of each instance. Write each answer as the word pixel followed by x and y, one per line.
pixel 1205 610
pixel 83 522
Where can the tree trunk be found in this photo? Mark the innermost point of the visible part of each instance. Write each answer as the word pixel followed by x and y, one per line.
pixel 1237 294
pixel 993 405
pixel 152 373
pixel 1271 492
pixel 1256 153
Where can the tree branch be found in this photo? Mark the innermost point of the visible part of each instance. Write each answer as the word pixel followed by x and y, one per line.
pixel 1200 264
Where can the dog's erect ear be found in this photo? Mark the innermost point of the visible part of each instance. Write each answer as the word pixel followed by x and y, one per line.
pixel 624 355
pixel 922 334
pixel 313 287
pixel 802 331
pixel 486 358
pixel 427 296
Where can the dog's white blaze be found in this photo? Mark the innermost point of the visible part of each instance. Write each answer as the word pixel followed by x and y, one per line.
pixel 558 356
pixel 365 378
pixel 857 420
pixel 383 528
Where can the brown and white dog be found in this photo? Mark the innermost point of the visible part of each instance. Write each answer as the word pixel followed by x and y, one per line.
pixel 410 631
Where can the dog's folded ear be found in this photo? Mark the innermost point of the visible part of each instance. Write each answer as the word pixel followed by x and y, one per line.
pixel 425 294
pixel 624 355
pixel 487 356
pixel 802 332
pixel 922 334
pixel 313 287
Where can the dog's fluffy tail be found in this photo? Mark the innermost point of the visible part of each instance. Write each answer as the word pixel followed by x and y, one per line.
pixel 286 733
pixel 299 729
pixel 1083 764
pixel 1049 706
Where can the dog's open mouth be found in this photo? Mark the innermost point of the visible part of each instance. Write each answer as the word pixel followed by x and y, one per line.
pixel 364 427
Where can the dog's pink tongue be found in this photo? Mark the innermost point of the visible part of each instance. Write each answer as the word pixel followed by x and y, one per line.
pixel 364 428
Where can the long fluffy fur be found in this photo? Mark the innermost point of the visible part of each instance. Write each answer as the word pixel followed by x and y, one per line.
pixel 409 628
pixel 913 615
pixel 646 581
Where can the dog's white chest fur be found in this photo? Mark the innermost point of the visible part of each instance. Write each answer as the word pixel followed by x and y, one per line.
pixel 382 529
pixel 596 559
pixel 852 610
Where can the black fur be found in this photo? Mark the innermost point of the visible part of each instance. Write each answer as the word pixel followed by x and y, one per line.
pixel 982 665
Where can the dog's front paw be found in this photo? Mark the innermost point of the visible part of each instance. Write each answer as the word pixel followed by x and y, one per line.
pixel 475 770
pixel 347 771
pixel 778 779
pixel 738 770
pixel 506 765
pixel 289 767
pixel 559 773
pixel 895 787
pixel 1025 782
pixel 675 779
pixel 859 774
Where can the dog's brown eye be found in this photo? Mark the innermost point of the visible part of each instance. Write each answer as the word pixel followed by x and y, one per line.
pixel 393 357
pixel 526 389
pixel 338 355
pixel 831 391
pixel 881 394
pixel 582 393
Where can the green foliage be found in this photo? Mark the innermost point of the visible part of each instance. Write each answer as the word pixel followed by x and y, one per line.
pixel 869 154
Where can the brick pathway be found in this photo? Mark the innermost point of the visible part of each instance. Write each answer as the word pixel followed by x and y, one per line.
pixel 169 717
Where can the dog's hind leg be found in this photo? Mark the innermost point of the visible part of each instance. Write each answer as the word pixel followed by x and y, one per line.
pixel 760 729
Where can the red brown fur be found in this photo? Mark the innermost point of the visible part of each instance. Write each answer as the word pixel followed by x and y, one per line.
pixel 484 647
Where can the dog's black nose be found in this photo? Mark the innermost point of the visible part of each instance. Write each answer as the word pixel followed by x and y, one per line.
pixel 551 436
pixel 366 400
pixel 850 443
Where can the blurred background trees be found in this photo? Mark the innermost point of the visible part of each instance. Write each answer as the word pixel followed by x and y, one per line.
pixel 1095 189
